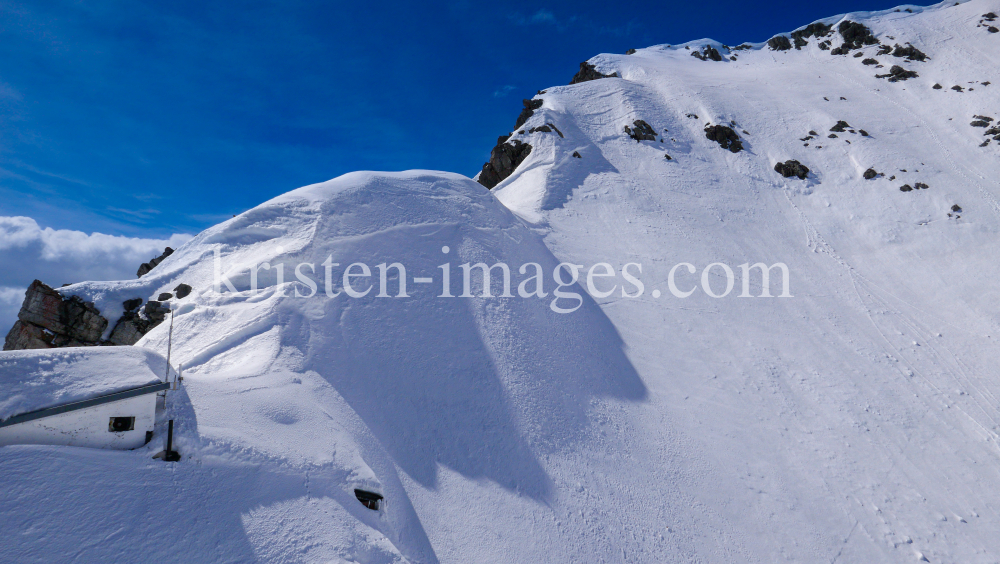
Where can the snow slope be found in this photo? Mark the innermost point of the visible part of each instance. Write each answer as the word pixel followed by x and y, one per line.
pixel 854 422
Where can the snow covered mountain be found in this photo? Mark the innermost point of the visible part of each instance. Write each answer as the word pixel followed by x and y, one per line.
pixel 854 421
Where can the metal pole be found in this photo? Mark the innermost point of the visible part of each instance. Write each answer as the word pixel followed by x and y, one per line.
pixel 170 437
pixel 170 340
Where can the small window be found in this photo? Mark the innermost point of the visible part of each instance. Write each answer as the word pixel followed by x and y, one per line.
pixel 368 499
pixel 121 424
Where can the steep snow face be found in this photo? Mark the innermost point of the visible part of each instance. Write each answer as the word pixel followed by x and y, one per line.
pixel 855 421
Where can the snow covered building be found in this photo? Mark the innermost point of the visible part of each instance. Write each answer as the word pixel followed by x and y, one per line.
pixel 102 397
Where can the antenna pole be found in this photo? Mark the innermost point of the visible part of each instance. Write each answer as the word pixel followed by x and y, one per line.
pixel 170 339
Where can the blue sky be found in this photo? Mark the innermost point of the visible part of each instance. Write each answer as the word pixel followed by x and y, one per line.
pixel 145 119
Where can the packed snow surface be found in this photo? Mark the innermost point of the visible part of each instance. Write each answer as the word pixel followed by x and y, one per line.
pixel 855 421
pixel 36 379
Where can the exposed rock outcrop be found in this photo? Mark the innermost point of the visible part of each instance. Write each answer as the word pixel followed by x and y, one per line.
pixel 588 72
pixel 504 158
pixel 910 52
pixel 529 110
pixel 855 35
pixel 725 137
pixel 779 43
pixel 133 325
pixel 897 73
pixel 641 132
pixel 49 320
pixel 708 53
pixel 792 168
pixel 147 266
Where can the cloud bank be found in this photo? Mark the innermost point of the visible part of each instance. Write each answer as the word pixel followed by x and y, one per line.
pixel 62 256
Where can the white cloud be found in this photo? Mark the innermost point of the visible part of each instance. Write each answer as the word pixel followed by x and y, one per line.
pixel 62 256
pixel 503 91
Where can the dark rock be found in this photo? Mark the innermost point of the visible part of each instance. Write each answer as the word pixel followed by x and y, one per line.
pixel 956 208
pixel 707 53
pixel 540 129
pixel 147 266
pixel 668 157
pixel 957 88
pixel 980 123
pixel 858 55
pixel 870 173
pixel 743 47
pixel 920 186
pixel 910 52
pixel 842 50
pixel 48 320
pixel 792 168
pixel 556 129
pixel 856 35
pixel 869 61
pixel 824 45
pixel 992 131
pixel 811 132
pixel 725 137
pixel 897 73
pixel 630 52
pixel 840 127
pixel 906 188
pixel 985 118
pixel 132 305
pixel 133 325
pixel 832 136
pixel 529 110
pixel 812 30
pixel 992 29
pixel 863 132
pixel 577 154
pixel 504 158
pixel 164 296
pixel 937 87
pixel 989 16
pixel 182 291
pixel 779 43
pixel 642 132
pixel 588 72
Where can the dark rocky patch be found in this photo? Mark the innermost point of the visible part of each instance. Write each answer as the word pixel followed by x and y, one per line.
pixel 869 61
pixel 587 72
pixel 832 136
pixel 898 73
pixel 910 52
pixel 630 52
pixel 980 123
pixel 920 186
pixel 133 304
pixel 858 55
pixel 182 291
pixel 779 43
pixel 556 129
pixel 884 50
pixel 840 126
pixel 870 173
pixel 816 29
pixel 641 132
pixel 811 132
pixel 668 157
pixel 725 137
pixel 992 29
pixel 708 53
pixel 792 168
pixel 855 35
pixel 937 87
pixel 504 158
pixel 956 208
pixel 743 47
pixel 576 154
pixel 147 266
pixel 824 45
pixel 164 296
pixel 529 110
pixel 957 88
pixel 540 129
pixel 48 320
pixel 906 188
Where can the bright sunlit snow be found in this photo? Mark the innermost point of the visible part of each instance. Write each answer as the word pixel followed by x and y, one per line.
pixel 856 421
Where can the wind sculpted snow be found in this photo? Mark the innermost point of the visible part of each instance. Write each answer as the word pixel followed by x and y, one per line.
pixel 855 421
